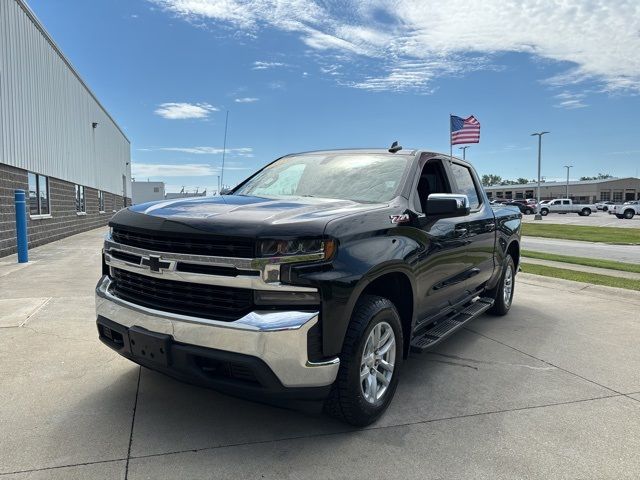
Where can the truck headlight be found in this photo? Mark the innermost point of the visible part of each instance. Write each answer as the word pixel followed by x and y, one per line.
pixel 323 247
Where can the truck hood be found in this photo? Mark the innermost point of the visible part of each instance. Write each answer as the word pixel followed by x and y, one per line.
pixel 239 215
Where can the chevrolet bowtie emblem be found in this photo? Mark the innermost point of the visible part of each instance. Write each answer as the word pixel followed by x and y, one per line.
pixel 154 263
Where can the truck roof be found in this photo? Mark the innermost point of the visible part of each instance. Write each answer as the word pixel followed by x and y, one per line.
pixel 404 151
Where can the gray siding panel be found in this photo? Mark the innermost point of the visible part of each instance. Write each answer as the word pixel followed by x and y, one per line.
pixel 46 111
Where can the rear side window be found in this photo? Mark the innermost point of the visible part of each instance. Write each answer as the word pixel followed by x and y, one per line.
pixel 465 184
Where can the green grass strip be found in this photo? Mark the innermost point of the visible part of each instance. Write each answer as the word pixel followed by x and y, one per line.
pixel 583 233
pixel 594 278
pixel 589 262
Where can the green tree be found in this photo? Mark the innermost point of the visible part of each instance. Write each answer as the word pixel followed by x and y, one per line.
pixel 491 179
pixel 601 176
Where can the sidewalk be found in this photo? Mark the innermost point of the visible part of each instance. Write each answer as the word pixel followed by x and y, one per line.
pixel 582 268
pixel 604 251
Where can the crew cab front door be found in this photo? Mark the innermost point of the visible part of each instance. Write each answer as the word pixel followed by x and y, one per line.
pixel 457 252
pixel 480 226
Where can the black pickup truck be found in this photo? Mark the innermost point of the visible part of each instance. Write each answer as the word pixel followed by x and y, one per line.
pixel 312 279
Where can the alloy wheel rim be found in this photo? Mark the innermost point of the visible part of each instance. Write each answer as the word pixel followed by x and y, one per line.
pixel 508 285
pixel 377 362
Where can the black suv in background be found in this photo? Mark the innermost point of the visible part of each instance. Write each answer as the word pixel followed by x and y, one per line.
pixel 312 279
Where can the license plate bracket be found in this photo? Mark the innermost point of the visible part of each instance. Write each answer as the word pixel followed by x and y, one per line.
pixel 150 346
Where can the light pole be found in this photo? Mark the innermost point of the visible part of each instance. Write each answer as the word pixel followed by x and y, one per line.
pixel 539 135
pixel 567 192
pixel 464 151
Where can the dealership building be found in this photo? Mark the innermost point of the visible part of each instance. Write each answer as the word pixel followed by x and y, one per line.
pixel 586 191
pixel 57 142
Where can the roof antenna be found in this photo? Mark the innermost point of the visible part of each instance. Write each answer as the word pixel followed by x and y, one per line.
pixel 395 147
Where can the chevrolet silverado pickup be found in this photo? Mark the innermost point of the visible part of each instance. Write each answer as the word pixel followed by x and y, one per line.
pixel 566 205
pixel 313 279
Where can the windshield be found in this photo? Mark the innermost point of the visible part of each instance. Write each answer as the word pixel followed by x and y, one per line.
pixel 360 177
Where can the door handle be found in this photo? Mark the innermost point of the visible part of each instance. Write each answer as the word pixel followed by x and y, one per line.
pixel 460 232
pixel 490 227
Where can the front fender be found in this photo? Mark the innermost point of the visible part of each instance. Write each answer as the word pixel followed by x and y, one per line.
pixel 341 282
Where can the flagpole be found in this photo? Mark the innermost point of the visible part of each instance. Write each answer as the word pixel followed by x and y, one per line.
pixel 450 141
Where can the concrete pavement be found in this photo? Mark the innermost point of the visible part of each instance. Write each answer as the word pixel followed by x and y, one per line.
pixel 605 251
pixel 550 391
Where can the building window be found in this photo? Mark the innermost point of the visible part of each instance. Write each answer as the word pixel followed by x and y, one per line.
pixel 508 195
pixel 100 201
pixel 38 195
pixel 605 196
pixel 81 204
pixel 490 194
pixel 617 196
pixel 156 189
pixel 528 194
pixel 519 195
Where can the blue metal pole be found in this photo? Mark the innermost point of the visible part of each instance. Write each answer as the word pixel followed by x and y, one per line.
pixel 21 226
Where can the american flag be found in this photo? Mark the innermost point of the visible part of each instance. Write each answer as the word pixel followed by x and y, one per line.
pixel 464 130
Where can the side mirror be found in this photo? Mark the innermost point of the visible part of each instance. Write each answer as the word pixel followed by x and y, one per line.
pixel 447 205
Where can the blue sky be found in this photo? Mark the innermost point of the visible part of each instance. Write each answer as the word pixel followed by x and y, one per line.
pixel 305 74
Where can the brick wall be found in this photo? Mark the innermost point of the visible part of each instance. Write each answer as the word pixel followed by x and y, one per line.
pixel 64 220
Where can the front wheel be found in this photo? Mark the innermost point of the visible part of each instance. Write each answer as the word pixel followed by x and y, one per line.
pixel 544 212
pixel 370 363
pixel 503 293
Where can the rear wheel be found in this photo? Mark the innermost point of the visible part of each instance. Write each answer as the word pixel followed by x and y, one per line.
pixel 370 363
pixel 503 293
pixel 586 212
pixel 628 214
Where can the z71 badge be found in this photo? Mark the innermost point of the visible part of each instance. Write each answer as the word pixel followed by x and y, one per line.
pixel 403 218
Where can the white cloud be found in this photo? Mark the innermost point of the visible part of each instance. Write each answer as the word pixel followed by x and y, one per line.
pixel 570 100
pixel 246 100
pixel 144 170
pixel 240 152
pixel 180 111
pixel 266 65
pixel 409 43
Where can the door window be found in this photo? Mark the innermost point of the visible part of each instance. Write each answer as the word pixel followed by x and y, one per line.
pixel 466 185
pixel 432 180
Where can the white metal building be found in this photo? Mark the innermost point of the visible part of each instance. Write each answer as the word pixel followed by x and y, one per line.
pixel 56 140
pixel 142 192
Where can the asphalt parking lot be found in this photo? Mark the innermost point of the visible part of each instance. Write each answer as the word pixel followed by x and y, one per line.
pixel 550 391
pixel 600 219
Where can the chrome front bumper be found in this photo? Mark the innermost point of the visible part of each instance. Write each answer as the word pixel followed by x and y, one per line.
pixel 277 338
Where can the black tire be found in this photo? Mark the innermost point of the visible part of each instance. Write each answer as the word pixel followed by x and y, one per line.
pixel 346 400
pixel 586 212
pixel 628 214
pixel 619 216
pixel 501 305
pixel 528 211
pixel 605 209
pixel 544 212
